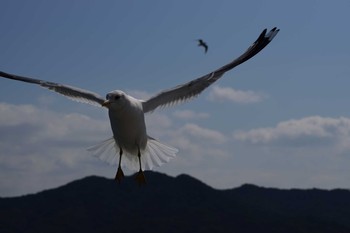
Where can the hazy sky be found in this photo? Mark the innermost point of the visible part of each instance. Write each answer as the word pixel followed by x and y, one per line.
pixel 280 120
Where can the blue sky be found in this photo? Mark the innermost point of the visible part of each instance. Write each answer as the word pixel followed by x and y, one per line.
pixel 280 120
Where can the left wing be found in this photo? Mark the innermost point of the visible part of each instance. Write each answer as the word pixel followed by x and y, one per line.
pixel 195 87
pixel 72 93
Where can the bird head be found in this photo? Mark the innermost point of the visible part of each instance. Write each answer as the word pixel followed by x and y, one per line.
pixel 114 99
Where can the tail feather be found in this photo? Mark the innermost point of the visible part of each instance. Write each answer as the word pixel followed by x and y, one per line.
pixel 154 155
pixel 105 151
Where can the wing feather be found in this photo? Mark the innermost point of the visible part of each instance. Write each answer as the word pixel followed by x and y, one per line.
pixel 193 88
pixel 73 93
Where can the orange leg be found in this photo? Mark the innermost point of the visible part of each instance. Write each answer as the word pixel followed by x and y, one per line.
pixel 140 176
pixel 120 174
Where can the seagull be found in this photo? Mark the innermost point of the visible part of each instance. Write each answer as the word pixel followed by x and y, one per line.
pixel 131 146
pixel 203 44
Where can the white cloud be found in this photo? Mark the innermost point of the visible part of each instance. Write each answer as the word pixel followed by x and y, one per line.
pixel 21 120
pixel 202 133
pixel 200 149
pixel 308 131
pixel 42 149
pixel 158 125
pixel 218 93
pixel 189 114
pixel 44 145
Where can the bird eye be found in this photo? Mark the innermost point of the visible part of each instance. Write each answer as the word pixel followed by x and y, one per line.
pixel 107 97
pixel 117 97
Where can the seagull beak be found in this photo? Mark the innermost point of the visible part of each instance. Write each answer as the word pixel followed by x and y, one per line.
pixel 106 103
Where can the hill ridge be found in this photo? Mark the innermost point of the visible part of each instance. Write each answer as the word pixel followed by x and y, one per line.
pixel 174 204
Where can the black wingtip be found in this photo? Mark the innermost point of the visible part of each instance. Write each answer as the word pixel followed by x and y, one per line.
pixel 275 29
pixel 272 33
pixel 261 36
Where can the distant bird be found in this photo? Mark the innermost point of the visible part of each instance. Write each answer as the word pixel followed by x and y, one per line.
pixel 203 44
pixel 130 145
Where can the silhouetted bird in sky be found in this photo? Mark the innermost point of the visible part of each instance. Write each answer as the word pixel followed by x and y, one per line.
pixel 203 44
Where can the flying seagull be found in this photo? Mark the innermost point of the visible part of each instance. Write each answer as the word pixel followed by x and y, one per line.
pixel 203 44
pixel 130 145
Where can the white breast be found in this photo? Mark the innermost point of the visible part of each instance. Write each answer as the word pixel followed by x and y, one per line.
pixel 128 126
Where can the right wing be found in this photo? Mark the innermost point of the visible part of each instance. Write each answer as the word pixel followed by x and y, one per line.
pixel 73 93
pixel 193 88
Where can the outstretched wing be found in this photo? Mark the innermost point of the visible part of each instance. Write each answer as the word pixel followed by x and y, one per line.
pixel 195 87
pixel 73 93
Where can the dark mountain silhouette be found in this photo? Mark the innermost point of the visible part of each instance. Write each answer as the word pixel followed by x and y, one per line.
pixel 168 204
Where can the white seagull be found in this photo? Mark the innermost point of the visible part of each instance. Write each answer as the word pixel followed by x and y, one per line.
pixel 130 145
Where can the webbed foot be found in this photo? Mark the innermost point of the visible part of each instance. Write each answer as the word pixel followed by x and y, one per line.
pixel 120 175
pixel 140 178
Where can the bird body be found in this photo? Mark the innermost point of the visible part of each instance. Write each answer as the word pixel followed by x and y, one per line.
pixel 203 44
pixel 127 122
pixel 130 145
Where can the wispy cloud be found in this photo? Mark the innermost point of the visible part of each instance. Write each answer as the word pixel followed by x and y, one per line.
pixel 203 133
pixel 189 114
pixel 308 131
pixel 45 145
pixel 50 147
pixel 48 125
pixel 218 93
pixel 42 148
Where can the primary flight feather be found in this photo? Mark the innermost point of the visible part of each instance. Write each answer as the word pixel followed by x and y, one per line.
pixel 130 145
